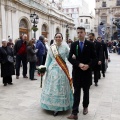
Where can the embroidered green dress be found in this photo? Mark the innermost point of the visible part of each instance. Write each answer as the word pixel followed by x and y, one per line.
pixel 56 93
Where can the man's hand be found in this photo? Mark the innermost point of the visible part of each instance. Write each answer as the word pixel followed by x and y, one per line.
pixel 99 62
pixel 106 60
pixel 81 65
pixel 85 67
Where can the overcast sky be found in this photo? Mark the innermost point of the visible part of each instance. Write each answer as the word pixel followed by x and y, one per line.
pixel 91 4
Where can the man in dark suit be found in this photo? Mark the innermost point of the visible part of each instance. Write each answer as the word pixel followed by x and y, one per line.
pixel 98 48
pixel 104 54
pixel 21 55
pixel 84 60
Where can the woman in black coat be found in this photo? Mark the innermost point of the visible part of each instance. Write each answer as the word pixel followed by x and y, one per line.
pixel 7 67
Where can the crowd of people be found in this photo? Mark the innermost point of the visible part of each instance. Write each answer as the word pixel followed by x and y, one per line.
pixel 114 46
pixel 59 93
pixel 22 52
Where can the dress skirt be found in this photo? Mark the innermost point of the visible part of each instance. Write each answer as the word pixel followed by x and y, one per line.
pixel 56 94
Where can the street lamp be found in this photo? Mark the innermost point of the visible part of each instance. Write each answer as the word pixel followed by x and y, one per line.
pixel 34 19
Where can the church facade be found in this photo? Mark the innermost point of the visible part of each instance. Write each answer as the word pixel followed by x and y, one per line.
pixel 15 19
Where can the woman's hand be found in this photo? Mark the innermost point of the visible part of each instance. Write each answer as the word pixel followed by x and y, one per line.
pixel 42 74
pixel 74 57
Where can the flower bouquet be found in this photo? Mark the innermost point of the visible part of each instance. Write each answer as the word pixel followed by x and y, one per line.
pixel 41 72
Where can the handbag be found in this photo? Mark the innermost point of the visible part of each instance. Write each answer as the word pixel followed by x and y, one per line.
pixel 10 59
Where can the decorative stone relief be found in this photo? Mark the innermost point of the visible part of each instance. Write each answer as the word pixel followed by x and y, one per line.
pixel 52 22
pixel 9 8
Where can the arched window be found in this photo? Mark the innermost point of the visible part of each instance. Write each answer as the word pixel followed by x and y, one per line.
pixel 23 24
pixel 44 28
pixel 57 30
pixel 23 28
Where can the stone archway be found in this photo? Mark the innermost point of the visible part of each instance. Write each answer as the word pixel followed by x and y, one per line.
pixel 45 30
pixel 23 28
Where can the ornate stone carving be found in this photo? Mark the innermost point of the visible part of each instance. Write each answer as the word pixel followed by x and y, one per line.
pixel 97 11
pixel 52 22
pixel 7 8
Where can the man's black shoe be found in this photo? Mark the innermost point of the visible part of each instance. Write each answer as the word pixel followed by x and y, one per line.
pixel 55 113
pixel 103 74
pixel 25 77
pixel 96 84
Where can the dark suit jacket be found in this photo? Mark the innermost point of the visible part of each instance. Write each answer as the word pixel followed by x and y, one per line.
pixel 105 52
pixel 87 56
pixel 99 51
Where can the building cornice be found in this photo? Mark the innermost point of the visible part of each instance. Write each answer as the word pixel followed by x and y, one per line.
pixel 10 8
pixel 102 8
pixel 47 10
pixel 86 16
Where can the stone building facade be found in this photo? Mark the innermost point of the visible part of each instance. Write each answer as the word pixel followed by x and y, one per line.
pixel 15 19
pixel 106 11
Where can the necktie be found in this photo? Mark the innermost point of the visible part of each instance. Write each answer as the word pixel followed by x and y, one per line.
pixel 81 46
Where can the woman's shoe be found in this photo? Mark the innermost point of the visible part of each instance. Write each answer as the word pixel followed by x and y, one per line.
pixel 55 113
pixel 5 84
pixel 33 79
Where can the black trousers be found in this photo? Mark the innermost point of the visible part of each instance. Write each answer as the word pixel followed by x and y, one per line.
pixel 20 58
pixel 7 79
pixel 103 67
pixel 32 70
pixel 96 75
pixel 77 95
pixel 44 59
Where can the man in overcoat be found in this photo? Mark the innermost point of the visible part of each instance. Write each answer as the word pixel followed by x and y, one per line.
pixel 104 55
pixel 21 56
pixel 99 51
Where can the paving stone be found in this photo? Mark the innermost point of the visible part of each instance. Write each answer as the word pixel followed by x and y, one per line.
pixel 21 101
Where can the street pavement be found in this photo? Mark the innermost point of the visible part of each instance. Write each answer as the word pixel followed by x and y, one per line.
pixel 21 101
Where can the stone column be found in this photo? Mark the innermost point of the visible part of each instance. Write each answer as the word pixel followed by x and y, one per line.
pixel 0 24
pixel 3 18
pixel 52 29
